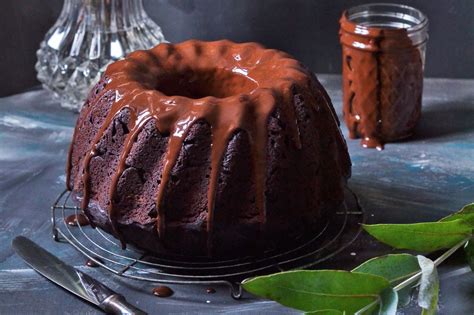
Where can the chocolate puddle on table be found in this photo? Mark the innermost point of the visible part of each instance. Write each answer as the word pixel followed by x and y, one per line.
pixel 76 220
pixel 162 291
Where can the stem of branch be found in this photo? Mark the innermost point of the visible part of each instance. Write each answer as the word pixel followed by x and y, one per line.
pixel 417 275
pixel 437 262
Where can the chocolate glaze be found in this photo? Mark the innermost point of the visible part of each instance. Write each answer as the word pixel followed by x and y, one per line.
pixel 162 291
pixel 382 83
pixel 75 220
pixel 210 290
pixel 183 90
pixel 92 263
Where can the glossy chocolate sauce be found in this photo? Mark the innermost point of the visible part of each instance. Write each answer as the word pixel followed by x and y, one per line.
pixel 230 86
pixel 210 290
pixel 162 291
pixel 92 263
pixel 76 220
pixel 382 83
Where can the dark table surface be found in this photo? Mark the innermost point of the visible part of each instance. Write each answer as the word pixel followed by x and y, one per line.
pixel 423 178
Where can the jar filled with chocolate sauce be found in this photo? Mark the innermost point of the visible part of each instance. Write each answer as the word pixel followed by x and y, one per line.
pixel 383 51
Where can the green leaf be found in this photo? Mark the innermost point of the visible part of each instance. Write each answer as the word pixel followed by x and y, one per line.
pixel 423 237
pixel 429 286
pixel 325 312
pixel 394 267
pixel 466 213
pixel 469 250
pixel 405 295
pixel 313 290
pixel 388 302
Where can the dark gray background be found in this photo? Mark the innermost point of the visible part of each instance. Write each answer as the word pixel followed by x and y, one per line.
pixel 308 29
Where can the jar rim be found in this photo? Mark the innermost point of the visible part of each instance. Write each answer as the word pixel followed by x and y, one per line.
pixel 420 19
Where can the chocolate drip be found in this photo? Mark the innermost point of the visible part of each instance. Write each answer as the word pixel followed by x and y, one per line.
pixel 87 108
pixel 174 147
pixel 218 149
pixel 258 140
pixel 135 126
pixel 228 90
pixel 372 122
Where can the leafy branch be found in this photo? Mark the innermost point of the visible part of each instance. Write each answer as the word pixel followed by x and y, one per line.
pixel 382 283
pixel 415 277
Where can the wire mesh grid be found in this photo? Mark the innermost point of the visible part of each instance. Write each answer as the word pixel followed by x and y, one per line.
pixel 337 234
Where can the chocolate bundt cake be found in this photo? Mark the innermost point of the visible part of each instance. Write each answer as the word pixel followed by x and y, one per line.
pixel 208 148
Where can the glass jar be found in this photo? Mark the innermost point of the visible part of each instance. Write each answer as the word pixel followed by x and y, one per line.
pixel 383 55
pixel 89 35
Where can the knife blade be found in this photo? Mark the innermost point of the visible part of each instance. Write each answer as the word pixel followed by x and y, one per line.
pixel 71 279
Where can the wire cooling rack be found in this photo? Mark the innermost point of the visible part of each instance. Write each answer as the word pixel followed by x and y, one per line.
pixel 339 232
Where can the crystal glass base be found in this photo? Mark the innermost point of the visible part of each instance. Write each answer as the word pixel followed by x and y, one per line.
pixel 89 35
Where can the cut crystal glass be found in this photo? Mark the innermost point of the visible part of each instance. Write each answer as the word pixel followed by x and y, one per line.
pixel 88 36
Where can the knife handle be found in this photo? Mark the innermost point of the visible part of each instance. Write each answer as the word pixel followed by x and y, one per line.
pixel 116 304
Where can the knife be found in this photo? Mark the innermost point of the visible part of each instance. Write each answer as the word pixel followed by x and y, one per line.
pixel 72 279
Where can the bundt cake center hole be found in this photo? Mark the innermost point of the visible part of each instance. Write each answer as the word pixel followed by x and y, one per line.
pixel 218 83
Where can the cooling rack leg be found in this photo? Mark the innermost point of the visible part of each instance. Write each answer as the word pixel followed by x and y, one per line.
pixel 235 290
pixel 54 230
pixel 55 235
